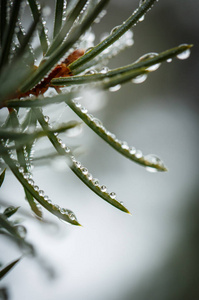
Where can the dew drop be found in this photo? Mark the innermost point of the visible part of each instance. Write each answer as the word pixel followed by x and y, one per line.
pixel 112 195
pixel 67 149
pixel 124 145
pixel 97 122
pixel 151 170
pixel 115 88
pixel 148 56
pixel 72 216
pixel 129 42
pixel 103 188
pixel 121 202
pixel 138 154
pixel 36 188
pixel 62 145
pixel 115 29
pixel 63 211
pixel 31 182
pixel 88 50
pixel 141 18
pixel 132 150
pixel 169 60
pixel 84 110
pixel 46 198
pixel 185 54
pixel 104 70
pixel 21 170
pixel 89 116
pixel 139 79
pixel 95 181
pixel 85 171
pixel 56 207
pixel 78 164
pixel 46 119
pixel 111 135
pixel 153 159
pixel 78 105
pixel 89 176
pixel 26 175
pixel 41 193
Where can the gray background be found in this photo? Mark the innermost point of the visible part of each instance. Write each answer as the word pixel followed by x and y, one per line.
pixel 152 254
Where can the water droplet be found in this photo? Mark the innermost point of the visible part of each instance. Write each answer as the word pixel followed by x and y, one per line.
pixel 129 42
pixel 87 50
pixel 77 103
pixel 26 175
pixel 115 29
pixel 151 170
pixel 169 60
pixel 89 176
pixel 132 150
pixel 72 216
pixel 21 230
pixel 148 56
pixel 104 70
pixel 56 207
pixel 89 116
pixel 124 145
pixel 97 122
pixel 31 182
pixel 85 171
pixel 115 88
pixel 185 54
pixel 67 149
pixel 21 170
pixel 84 110
pixel 112 195
pixel 36 188
pixel 95 181
pixel 46 198
pixel 62 145
pixel 139 79
pixel 103 188
pixel 46 119
pixel 64 211
pixel 138 154
pixel 111 135
pixel 41 193
pixel 153 159
pixel 78 164
pixel 141 18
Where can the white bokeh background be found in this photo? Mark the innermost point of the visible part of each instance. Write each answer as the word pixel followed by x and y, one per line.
pixel 114 255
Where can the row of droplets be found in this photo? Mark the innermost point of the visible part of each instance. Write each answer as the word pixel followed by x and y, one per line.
pixel 137 155
pixel 29 178
pixel 141 78
pixel 93 180
pixel 79 166
pixel 84 171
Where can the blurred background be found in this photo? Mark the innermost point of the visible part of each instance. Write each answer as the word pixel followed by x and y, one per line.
pixel 152 254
